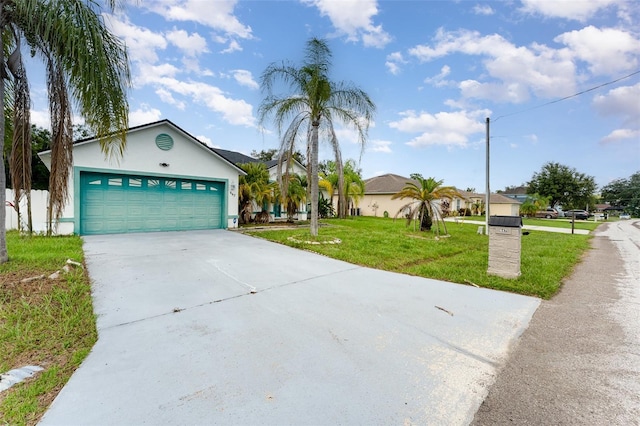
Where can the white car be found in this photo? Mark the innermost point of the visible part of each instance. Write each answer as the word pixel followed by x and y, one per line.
pixel 625 216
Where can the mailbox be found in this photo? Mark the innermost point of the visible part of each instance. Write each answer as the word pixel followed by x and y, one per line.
pixel 505 233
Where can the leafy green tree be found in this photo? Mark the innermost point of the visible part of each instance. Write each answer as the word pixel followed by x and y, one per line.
pixel 424 196
pixel 563 185
pixel 86 67
pixel 624 193
pixel 314 103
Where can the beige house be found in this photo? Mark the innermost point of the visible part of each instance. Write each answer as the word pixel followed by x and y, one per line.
pixel 377 195
pixel 379 190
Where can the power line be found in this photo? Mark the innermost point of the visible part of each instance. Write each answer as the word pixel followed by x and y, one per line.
pixel 570 96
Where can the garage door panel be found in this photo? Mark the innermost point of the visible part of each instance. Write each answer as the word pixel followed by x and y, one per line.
pixel 111 203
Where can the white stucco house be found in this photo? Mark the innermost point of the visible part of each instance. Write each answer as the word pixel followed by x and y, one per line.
pixel 166 180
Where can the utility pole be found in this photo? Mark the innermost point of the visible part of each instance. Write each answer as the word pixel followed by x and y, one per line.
pixel 487 189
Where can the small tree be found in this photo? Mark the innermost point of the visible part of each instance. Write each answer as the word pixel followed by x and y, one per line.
pixel 424 204
pixel 254 189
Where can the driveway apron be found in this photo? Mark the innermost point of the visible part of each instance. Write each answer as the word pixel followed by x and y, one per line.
pixel 216 327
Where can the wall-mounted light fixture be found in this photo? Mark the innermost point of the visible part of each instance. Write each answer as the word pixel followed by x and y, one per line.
pixel 164 164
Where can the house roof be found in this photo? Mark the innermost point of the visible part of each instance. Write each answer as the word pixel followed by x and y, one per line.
pixel 235 157
pixel 386 184
pixel 493 198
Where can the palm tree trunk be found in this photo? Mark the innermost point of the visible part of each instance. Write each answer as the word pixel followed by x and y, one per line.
pixel 313 161
pixel 3 178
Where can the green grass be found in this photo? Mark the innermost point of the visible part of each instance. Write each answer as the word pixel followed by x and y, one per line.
pixel 44 322
pixel 547 258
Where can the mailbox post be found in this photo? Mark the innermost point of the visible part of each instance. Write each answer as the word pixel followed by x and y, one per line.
pixel 505 233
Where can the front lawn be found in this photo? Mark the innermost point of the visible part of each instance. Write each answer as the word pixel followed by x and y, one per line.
pixel 43 322
pixel 382 243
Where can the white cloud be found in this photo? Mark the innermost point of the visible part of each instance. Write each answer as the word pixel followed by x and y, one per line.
pixel 354 19
pixel 234 46
pixel 622 134
pixel 622 101
pixel 245 78
pixel 167 97
pixel 380 146
pixel 539 69
pixel 439 79
pixel 483 10
pixel 233 111
pixel 191 45
pixel 41 118
pixel 142 43
pixel 579 10
pixel 608 51
pixel 143 115
pixel 207 141
pixel 394 60
pixel 443 128
pixel 151 73
pixel 217 15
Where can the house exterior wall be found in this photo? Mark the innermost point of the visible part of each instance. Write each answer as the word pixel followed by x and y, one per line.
pixel 187 159
pixel 383 202
pixel 504 209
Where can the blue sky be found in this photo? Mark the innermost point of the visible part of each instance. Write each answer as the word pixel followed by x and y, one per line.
pixel 435 70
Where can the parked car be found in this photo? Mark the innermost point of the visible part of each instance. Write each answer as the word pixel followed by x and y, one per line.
pixel 549 213
pixel 625 216
pixel 579 214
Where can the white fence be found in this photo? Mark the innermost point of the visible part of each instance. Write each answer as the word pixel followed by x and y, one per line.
pixel 38 211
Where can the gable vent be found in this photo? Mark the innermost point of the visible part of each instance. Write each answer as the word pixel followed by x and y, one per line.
pixel 164 142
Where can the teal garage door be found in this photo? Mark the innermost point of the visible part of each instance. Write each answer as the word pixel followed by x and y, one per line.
pixel 113 203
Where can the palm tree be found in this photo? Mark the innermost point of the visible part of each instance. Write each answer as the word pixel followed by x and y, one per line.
pixel 296 195
pixel 424 195
pixel 310 109
pixel 254 189
pixel 86 67
pixel 353 185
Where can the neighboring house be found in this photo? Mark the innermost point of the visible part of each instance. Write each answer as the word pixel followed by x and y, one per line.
pixel 166 180
pixel 379 190
pixel 275 209
pixel 377 195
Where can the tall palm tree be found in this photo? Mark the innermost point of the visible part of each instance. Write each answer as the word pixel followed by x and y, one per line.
pixel 424 197
pixel 86 67
pixel 311 107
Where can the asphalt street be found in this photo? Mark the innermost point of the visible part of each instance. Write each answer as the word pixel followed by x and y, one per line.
pixel 578 362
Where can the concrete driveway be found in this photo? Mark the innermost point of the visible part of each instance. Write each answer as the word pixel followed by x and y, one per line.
pixel 215 327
